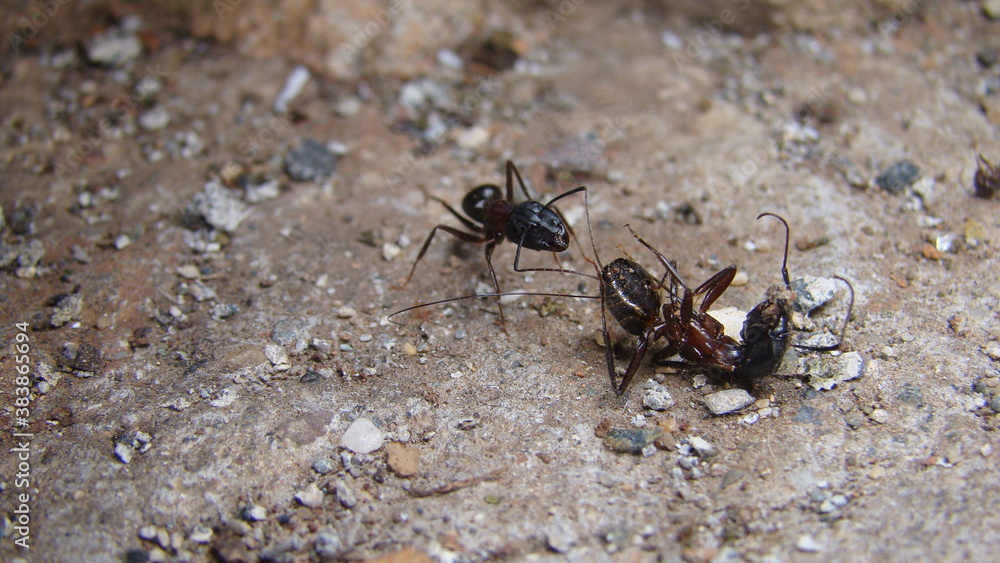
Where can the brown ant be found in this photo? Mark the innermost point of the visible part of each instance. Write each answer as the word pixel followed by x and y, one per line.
pixel 633 296
pixel 492 218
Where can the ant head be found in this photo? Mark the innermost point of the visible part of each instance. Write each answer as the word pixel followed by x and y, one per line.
pixel 478 200
pixel 537 227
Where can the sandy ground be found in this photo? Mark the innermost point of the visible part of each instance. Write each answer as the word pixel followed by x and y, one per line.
pixel 224 359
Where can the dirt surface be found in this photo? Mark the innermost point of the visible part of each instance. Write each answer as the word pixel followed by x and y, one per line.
pixel 197 353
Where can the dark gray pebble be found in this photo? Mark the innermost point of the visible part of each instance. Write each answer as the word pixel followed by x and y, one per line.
pixel 995 403
pixel 310 161
pixel 898 177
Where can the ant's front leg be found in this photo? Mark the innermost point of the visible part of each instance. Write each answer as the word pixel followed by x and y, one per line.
pixel 493 275
pixel 714 287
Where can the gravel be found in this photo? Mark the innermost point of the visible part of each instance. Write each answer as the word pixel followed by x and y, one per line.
pixel 311 161
pixel 727 401
pixel 898 177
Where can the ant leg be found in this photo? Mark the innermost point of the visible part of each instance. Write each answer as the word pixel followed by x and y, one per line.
pixel 469 224
pixel 460 235
pixel 493 275
pixel 715 287
pixel 609 355
pixel 633 365
pixel 518 268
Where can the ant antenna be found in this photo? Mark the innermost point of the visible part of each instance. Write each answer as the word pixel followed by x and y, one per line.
pixel 481 295
pixel 784 259
pixel 670 269
pixel 850 305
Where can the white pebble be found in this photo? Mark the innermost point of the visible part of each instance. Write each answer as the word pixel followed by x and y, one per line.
pixel 310 497
pixel 362 437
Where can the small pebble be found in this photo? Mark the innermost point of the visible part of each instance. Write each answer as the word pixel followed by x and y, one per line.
pixel 995 403
pixel 701 446
pixel 807 544
pixel 189 271
pixel 880 416
pixel 390 251
pixel 854 419
pixel 409 349
pixel 348 107
pixel 811 292
pixel 323 465
pixel 365 338
pixel 888 351
pixel 148 533
pixel 740 279
pixel 898 177
pixel 460 334
pixel 124 452
pixel 310 497
pixel 992 9
pixel 276 354
pixel 201 534
pixel 294 84
pixel 155 119
pixel 993 351
pixel 628 440
pixel 310 161
pixel 253 513
pixel 115 48
pixel 560 537
pixel 362 437
pixel 346 313
pixel 907 337
pixel 345 495
pixel 121 241
pixel 657 398
pixel 727 401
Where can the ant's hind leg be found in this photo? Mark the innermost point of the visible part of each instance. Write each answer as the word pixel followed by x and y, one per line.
pixel 460 235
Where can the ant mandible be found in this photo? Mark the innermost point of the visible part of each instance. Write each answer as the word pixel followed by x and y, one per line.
pixel 492 218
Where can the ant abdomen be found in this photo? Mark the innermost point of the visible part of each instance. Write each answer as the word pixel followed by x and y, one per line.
pixel 478 200
pixel 630 293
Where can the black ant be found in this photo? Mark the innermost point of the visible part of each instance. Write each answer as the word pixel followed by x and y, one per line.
pixel 692 333
pixel 493 218
pixel 634 298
